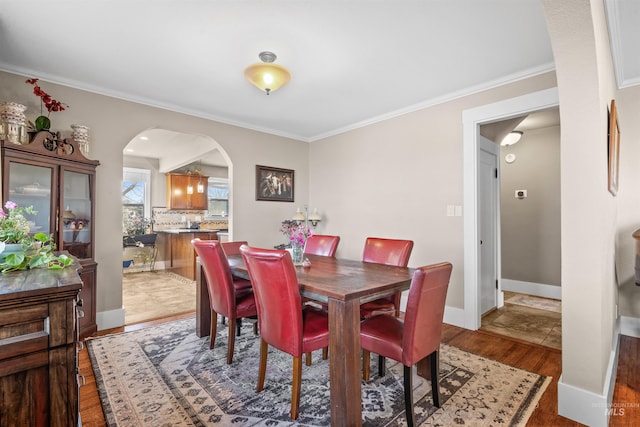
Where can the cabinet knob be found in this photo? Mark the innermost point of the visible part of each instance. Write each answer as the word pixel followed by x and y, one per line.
pixel 80 302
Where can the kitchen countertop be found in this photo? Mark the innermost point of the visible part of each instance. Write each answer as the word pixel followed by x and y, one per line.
pixel 188 230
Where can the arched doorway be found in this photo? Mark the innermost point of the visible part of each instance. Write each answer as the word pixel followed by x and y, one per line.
pixel 152 286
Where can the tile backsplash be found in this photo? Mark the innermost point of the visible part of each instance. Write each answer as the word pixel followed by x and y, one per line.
pixel 165 219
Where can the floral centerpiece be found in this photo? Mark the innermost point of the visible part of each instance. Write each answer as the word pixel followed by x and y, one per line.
pixel 28 251
pixel 43 122
pixel 297 233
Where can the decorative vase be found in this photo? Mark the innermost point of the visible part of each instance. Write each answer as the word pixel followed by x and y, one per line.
pixel 80 135
pixel 13 123
pixel 42 123
pixel 296 254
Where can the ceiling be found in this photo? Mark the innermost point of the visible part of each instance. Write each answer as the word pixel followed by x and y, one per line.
pixel 352 62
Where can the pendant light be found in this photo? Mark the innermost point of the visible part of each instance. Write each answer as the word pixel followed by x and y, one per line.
pixel 267 75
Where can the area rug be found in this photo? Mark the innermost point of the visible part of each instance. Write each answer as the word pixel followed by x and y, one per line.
pixel 166 376
pixel 533 301
pixel 150 295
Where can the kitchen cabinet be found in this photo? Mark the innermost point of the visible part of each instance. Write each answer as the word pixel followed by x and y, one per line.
pixel 182 256
pixel 54 177
pixel 39 348
pixel 187 192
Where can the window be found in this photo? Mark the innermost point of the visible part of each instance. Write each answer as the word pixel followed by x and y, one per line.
pixel 135 192
pixel 218 195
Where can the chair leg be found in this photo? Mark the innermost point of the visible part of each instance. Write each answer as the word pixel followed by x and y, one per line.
pixel 213 329
pixel 381 366
pixel 435 371
pixel 262 370
pixel 295 387
pixel 308 361
pixel 255 328
pixel 366 368
pixel 408 395
pixel 325 353
pixel 238 326
pixel 231 341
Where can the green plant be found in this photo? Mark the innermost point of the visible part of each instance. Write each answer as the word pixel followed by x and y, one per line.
pixel 14 227
pixel 37 252
pixel 134 224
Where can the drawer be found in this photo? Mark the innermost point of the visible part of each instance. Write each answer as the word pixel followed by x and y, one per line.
pixel 24 330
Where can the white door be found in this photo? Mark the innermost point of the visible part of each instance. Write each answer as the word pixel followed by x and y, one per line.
pixel 488 223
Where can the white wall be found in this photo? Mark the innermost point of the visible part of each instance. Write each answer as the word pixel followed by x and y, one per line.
pixel 395 179
pixel 530 227
pixel 113 123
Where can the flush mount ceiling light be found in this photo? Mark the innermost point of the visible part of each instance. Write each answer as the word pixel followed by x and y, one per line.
pixel 266 75
pixel 511 138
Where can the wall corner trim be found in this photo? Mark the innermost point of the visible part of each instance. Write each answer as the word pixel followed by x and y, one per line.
pixel 110 319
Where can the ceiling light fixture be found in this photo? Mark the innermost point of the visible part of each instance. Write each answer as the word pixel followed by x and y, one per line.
pixel 511 138
pixel 266 75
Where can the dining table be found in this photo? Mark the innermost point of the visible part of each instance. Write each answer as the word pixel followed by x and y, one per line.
pixel 342 285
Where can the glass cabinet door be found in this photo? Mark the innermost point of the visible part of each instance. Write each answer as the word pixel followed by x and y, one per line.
pixel 30 185
pixel 76 213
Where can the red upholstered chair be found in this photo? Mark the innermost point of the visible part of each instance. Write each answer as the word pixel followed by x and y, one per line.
pixel 284 322
pixel 319 244
pixel 240 285
pixel 223 298
pixel 413 338
pixel 390 252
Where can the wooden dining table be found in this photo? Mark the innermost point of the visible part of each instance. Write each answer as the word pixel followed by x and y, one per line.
pixel 343 285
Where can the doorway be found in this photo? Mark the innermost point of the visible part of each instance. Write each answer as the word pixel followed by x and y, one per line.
pixel 472 119
pixel 153 290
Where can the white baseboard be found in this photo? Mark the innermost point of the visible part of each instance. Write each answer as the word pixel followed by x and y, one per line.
pixel 110 319
pixel 630 326
pixel 454 316
pixel 587 407
pixel 530 288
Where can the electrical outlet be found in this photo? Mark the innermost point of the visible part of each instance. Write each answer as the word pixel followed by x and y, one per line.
pixel 521 194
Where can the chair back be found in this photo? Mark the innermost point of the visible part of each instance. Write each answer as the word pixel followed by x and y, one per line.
pixel 387 251
pixel 278 300
pixel 216 268
pixel 425 311
pixel 319 244
pixel 232 248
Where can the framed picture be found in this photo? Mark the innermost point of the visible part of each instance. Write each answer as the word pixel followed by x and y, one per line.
pixel 274 184
pixel 613 148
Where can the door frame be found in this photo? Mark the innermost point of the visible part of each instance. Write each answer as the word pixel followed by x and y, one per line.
pixel 471 121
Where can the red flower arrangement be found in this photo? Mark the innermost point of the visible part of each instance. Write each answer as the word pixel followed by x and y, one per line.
pixel 43 122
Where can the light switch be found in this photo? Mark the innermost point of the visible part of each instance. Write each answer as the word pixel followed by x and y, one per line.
pixel 458 210
pixel 450 210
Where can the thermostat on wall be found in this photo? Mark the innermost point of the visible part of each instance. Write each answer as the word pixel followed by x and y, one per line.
pixel 510 158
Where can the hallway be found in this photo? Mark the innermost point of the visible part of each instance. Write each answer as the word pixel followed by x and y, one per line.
pixel 528 318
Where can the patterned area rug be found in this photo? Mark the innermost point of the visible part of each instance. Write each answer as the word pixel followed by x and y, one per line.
pixel 534 301
pixel 167 376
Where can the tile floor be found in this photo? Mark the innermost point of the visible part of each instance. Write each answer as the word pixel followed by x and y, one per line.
pixel 528 318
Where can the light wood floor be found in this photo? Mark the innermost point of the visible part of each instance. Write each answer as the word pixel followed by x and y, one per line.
pixel 511 351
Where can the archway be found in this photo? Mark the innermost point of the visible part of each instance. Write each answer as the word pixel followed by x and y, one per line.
pixel 159 152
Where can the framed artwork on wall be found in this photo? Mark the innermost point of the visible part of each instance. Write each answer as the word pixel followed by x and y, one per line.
pixel 613 151
pixel 274 184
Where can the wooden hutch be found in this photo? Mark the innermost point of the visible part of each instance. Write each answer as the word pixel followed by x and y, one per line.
pixel 53 176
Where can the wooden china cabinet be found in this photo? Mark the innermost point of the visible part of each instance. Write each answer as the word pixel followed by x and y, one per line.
pixel 53 176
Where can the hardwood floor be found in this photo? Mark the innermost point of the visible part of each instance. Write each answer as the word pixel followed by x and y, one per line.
pixel 532 357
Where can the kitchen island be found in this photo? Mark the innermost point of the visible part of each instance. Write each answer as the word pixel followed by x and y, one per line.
pixel 179 255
